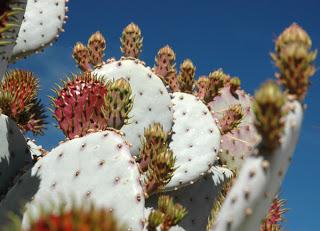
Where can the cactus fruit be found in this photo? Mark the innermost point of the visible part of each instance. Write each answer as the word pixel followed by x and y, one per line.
pixel 49 17
pixel 202 85
pixel 11 16
pixel 131 41
pixel 295 60
pixel 197 198
pixel 195 140
pixel 166 216
pixel 97 166
pixel 165 67
pixel 14 152
pixel 186 76
pixel 151 99
pixel 18 100
pixel 239 136
pixel 118 103
pixel 96 46
pixel 270 111
pixel 81 55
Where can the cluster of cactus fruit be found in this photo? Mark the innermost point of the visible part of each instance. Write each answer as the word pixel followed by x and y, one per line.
pixel 146 148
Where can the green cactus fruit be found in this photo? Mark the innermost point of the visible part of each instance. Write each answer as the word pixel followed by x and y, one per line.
pixel 154 141
pixel 118 102
pixel 269 110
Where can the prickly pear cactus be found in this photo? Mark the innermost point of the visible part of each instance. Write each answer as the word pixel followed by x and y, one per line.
pixel 91 167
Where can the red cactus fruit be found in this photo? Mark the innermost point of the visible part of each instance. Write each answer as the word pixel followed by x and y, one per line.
pixel 78 105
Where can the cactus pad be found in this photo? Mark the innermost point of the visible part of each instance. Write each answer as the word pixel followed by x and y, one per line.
pixel 238 143
pixel 14 152
pixel 97 166
pixel 151 98
pixel 195 140
pixel 43 20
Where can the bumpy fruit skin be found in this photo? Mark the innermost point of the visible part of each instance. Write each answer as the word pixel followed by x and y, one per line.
pixel 153 142
pixel 118 103
pixel 166 67
pixel 186 76
pixel 77 106
pixel 18 100
pixel 81 55
pixel 96 46
pixel 295 60
pixel 269 110
pixel 131 41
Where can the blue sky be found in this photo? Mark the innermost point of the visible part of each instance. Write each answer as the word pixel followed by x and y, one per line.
pixel 236 35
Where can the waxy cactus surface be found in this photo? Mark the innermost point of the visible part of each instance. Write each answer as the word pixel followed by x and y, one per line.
pixel 145 149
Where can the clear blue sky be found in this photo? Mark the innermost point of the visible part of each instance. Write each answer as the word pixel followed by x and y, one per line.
pixel 236 35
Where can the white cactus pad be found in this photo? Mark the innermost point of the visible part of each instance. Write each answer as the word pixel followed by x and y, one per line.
pixel 259 181
pixel 8 39
pixel 197 198
pixel 97 166
pixel 43 21
pixel 14 153
pixel 195 140
pixel 151 99
pixel 238 144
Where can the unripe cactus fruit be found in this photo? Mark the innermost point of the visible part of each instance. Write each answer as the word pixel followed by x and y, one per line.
pixel 295 60
pixel 81 55
pixel 270 112
pixel 118 103
pixel 165 67
pixel 131 41
pixel 96 46
pixel 186 76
